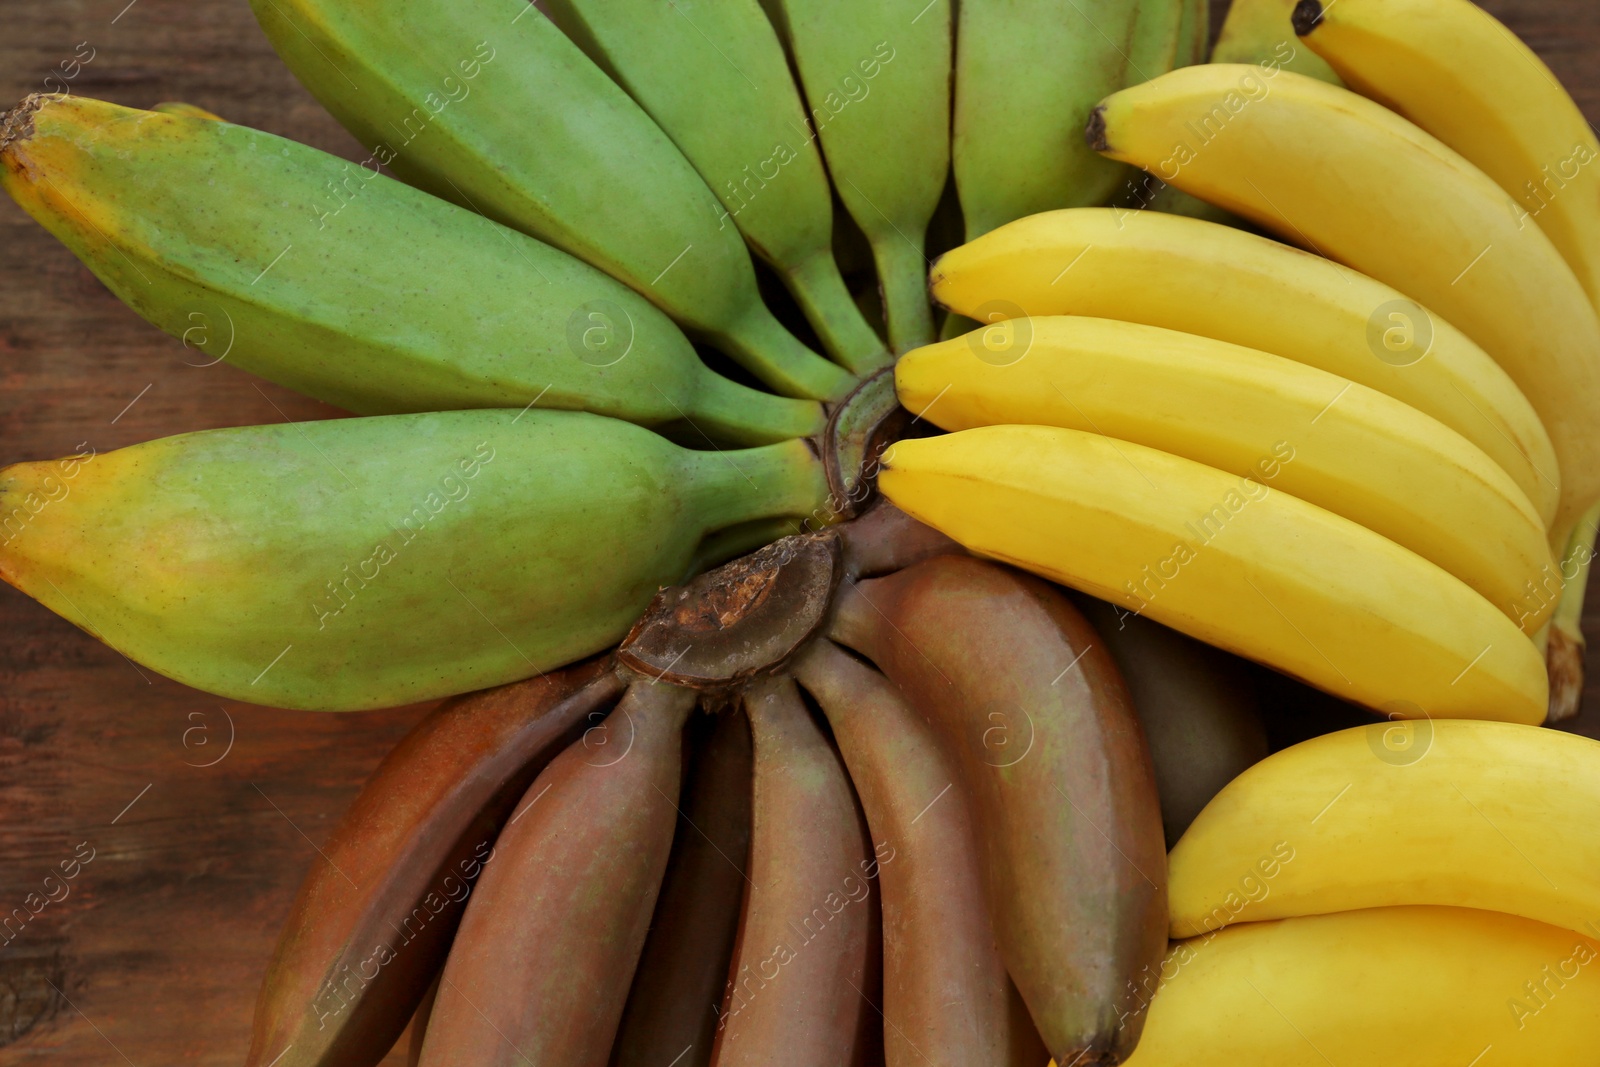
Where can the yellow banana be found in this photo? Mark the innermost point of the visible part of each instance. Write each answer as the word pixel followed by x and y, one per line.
pixel 1418 987
pixel 1472 814
pixel 1373 191
pixel 1451 67
pixel 1219 282
pixel 1226 560
pixel 1308 433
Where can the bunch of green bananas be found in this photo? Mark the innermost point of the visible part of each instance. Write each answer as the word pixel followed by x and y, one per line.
pixel 866 796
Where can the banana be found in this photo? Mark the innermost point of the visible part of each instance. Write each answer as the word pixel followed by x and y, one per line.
pixel 1565 652
pixel 419 1024
pixel 800 985
pixel 1407 211
pixel 1262 31
pixel 350 287
pixel 876 75
pixel 741 123
pixel 194 111
pixel 672 1007
pixel 1028 72
pixel 489 105
pixel 1225 560
pixel 1218 282
pixel 373 921
pixel 1196 703
pixel 1308 433
pixel 362 563
pixel 1491 815
pixel 946 997
pixel 1424 987
pixel 1194 33
pixel 1027 706
pixel 540 968
pixel 1453 69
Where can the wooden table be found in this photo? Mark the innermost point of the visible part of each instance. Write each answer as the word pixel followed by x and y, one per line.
pixel 202 815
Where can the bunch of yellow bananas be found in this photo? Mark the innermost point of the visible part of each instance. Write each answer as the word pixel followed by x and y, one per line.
pixel 1446 870
pixel 1371 464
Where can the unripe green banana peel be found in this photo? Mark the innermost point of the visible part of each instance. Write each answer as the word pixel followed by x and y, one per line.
pixel 365 563
pixel 742 124
pixel 351 287
pixel 490 106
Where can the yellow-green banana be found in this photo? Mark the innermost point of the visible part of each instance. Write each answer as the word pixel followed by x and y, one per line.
pixel 876 75
pixel 1303 431
pixel 350 287
pixel 1220 282
pixel 1227 560
pixel 1404 209
pixel 1262 31
pixel 489 105
pixel 1471 814
pixel 713 75
pixel 1028 72
pixel 359 563
pixel 1423 987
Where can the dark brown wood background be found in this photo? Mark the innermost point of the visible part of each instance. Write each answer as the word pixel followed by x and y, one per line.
pixel 155 956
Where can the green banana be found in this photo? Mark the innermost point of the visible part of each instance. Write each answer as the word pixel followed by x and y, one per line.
pixel 1028 72
pixel 539 971
pixel 353 288
pixel 713 75
pixel 876 75
pixel 372 923
pixel 1194 33
pixel 363 563
pixel 489 105
pixel 1262 31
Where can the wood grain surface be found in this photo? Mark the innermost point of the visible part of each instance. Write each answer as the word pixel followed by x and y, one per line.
pixel 201 816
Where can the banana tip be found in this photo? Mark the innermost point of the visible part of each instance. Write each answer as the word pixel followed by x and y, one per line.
pixel 1308 15
pixel 1095 134
pixel 17 124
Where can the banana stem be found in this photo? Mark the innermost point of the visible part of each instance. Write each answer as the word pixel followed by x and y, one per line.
pixel 903 276
pixel 819 289
pixel 761 345
pixel 730 412
pixel 1564 654
pixel 773 481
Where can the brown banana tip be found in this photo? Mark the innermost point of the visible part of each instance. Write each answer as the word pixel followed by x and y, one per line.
pixel 1564 660
pixel 1308 15
pixel 17 124
pixel 1096 132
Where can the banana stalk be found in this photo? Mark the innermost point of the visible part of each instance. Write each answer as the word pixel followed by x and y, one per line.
pixel 350 287
pixel 363 563
pixel 713 75
pixel 877 81
pixel 490 106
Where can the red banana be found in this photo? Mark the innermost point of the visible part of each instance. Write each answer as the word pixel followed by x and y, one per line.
pixel 1030 707
pixel 672 1007
pixel 804 964
pixel 373 920
pixel 946 997
pixel 540 968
